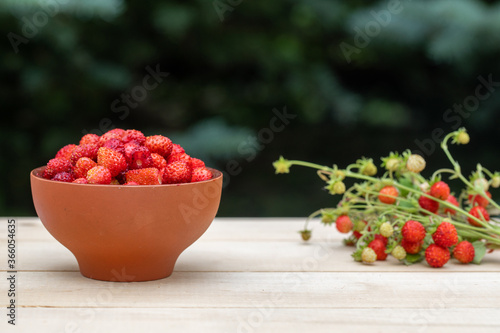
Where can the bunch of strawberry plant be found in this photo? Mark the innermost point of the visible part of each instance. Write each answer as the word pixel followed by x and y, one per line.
pixel 403 214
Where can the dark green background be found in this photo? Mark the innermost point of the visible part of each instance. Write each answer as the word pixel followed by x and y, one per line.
pixel 230 69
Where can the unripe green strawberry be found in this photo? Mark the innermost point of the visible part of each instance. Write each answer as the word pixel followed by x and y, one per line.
pixel 464 252
pixel 399 252
pixel 368 256
pixel 445 235
pixel 436 256
pixel 415 163
pixel 495 181
pixel 463 138
pixel 305 234
pixel 386 229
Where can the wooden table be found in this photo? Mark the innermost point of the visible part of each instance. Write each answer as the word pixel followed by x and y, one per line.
pixel 250 275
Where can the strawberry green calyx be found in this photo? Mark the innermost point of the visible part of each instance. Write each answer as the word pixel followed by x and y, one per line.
pixel 282 165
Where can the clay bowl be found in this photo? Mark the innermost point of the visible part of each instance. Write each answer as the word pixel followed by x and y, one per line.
pixel 126 233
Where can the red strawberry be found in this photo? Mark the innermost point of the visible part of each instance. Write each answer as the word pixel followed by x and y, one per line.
pixel 56 165
pixel 116 133
pixel 99 175
pixel 177 149
pixel 378 246
pixel 451 199
pixel 479 212
pixel 197 163
pixel 139 158
pixel 133 135
pixel 81 181
pixel 479 200
pixel 146 176
pixel 200 174
pixel 464 252
pixel 180 157
pixel 440 190
pixel 66 151
pixel 445 235
pixel 412 247
pixel 343 224
pixel 388 195
pixel 158 161
pixel 83 165
pixel 89 139
pixel 131 183
pixel 436 256
pixel 159 144
pixel 89 150
pixel 177 172
pixel 115 144
pixel 64 177
pixel 428 204
pixel 111 159
pixel 413 231
pixel 383 239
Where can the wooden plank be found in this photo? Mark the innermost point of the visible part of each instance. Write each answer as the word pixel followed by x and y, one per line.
pixel 237 256
pixel 252 319
pixel 287 290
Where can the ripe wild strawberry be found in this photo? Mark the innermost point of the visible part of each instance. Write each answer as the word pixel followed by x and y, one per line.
pixel 89 139
pixel 445 235
pixel 440 190
pixel 200 174
pixel 479 200
pixel 111 159
pixel 146 176
pixel 197 163
pixel 64 177
pixel 415 163
pixel 83 165
pixel 115 144
pixel 99 175
pixel 159 144
pixel 451 199
pixel 66 151
pixel 381 238
pixel 436 256
pixel 139 158
pixel 177 172
pixel 464 252
pixel 133 135
pixel 388 195
pixel 131 183
pixel 116 133
pixel 368 256
pixel 158 161
pixel 56 165
pixel 177 149
pixel 412 247
pixel 88 150
pixel 480 213
pixel 378 246
pixel 343 224
pixel 81 181
pixel 180 157
pixel 413 231
pixel 428 204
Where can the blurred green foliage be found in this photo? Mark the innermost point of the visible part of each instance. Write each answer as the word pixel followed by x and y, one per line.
pixel 230 63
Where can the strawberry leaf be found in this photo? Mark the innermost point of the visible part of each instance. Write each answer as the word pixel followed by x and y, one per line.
pixel 412 259
pixel 480 251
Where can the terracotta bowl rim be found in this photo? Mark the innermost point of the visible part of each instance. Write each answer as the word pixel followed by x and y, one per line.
pixel 36 173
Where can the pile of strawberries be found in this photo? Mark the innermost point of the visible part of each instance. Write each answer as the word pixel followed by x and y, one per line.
pixel 125 157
